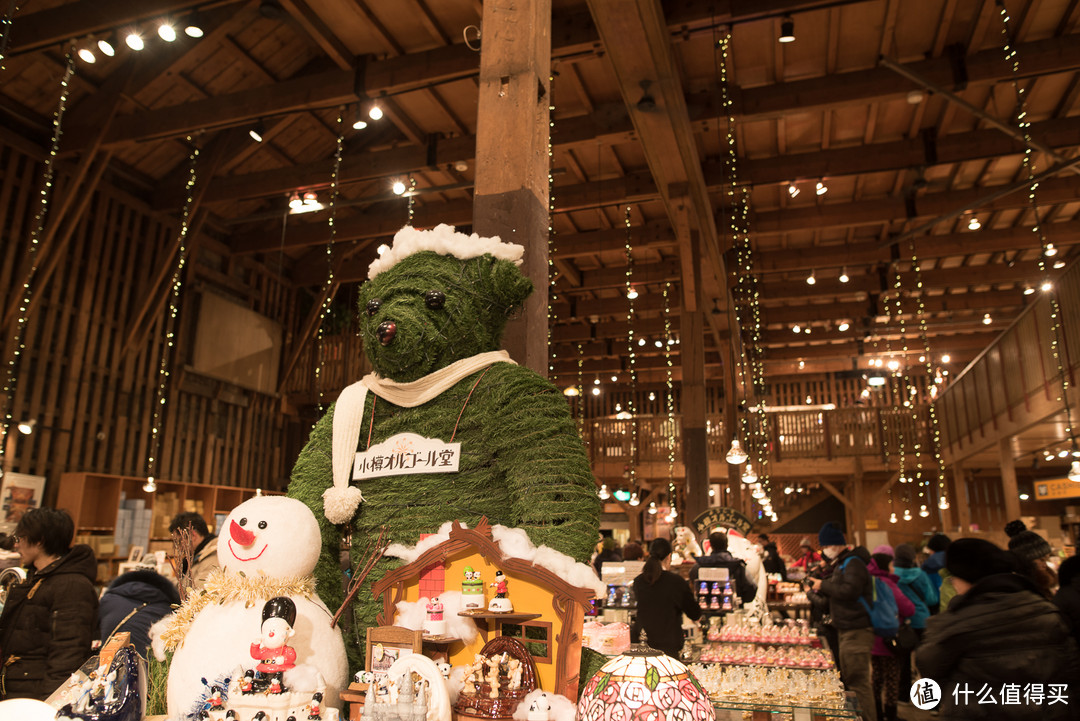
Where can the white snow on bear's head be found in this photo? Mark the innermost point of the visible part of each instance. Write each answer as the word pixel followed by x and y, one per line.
pixel 273 534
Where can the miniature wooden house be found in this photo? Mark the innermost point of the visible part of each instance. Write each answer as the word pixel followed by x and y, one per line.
pixel 548 611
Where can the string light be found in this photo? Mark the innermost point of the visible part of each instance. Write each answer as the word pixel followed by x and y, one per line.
pixel 44 196
pixel 552 294
pixel 330 287
pixel 5 33
pixel 670 401
pixel 632 403
pixel 158 408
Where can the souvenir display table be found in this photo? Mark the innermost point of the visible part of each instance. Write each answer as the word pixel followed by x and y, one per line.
pixel 754 693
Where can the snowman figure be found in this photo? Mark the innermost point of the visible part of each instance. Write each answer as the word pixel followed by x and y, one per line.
pixel 268 547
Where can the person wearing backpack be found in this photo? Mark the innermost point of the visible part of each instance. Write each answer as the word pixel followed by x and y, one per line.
pixel 719 557
pixel 884 661
pixel 848 583
pixel 917 587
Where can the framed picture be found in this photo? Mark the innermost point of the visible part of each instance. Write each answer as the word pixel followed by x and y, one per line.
pixel 20 492
pixel 135 554
pixel 386 644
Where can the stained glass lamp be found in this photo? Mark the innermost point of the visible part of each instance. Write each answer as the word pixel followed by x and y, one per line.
pixel 644 685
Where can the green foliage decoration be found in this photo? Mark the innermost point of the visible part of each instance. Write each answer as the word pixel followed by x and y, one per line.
pixel 522 462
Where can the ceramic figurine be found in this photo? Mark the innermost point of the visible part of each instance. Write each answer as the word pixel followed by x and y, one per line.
pixel 472 589
pixel 434 623
pixel 315 707
pixel 247 681
pixel 540 708
pixel 274 656
pixel 513 667
pixel 493 677
pixel 501 603
pixel 215 699
pixel 259 716
pixel 230 715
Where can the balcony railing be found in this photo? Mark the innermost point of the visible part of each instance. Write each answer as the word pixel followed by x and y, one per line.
pixel 1015 381
pixel 842 432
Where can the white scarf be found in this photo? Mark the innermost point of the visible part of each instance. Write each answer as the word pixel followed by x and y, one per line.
pixel 341 500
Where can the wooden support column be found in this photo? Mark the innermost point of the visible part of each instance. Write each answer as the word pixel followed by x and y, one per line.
pixel 858 511
pixel 695 439
pixel 1008 479
pixel 960 499
pixel 512 155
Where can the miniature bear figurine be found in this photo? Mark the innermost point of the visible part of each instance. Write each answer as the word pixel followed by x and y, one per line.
pixel 431 317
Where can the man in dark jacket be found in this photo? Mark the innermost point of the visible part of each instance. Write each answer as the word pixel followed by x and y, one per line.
pixel 998 633
pixel 50 619
pixel 770 557
pixel 1068 596
pixel 134 602
pixel 842 588
pixel 719 557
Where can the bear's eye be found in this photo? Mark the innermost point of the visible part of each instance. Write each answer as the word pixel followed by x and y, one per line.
pixel 373 306
pixel 262 525
pixel 435 299
pixel 243 521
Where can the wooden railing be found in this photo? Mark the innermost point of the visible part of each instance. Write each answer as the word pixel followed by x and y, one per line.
pixel 791 434
pixel 1015 381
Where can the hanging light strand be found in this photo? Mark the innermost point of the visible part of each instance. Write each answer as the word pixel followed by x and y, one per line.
pixel 631 348
pixel 412 200
pixel 161 390
pixel 27 295
pixel 330 288
pixel 670 399
pixel 553 296
pixel 5 32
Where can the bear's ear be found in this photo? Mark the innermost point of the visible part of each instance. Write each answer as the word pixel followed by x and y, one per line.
pixel 509 286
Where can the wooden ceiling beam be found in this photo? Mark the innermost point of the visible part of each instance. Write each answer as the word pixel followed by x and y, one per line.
pixel 44 28
pixel 576 308
pixel 313 26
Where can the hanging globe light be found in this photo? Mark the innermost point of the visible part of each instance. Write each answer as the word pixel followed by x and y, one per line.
pixel 736 456
pixel 892 517
pixel 943 503
pixel 907 514
pixel 748 476
pixel 923 512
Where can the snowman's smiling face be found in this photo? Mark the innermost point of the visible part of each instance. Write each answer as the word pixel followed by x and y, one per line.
pixel 276 535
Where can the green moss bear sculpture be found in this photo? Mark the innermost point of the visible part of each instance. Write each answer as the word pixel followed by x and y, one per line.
pixel 431 317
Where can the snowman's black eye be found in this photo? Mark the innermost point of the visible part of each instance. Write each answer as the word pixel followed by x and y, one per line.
pixel 243 521
pixel 373 306
pixel 262 524
pixel 434 299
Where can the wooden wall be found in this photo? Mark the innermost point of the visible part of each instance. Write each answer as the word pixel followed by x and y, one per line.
pixel 74 376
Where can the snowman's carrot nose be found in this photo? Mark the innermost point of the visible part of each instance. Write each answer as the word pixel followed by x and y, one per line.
pixel 241 535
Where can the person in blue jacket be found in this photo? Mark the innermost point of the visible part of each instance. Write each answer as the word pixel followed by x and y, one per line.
pixel 933 565
pixel 916 585
pixel 135 601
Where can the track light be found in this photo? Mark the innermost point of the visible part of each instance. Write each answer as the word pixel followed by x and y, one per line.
pixel 27 427
pixel 787 30
pixel 596 390
pixel 1049 251
pixel 358 122
pixel 1028 290
pixel 1074 472
pixel 974 223
pixel 257 131
pixel 946 358
pixel 87 55
pixel 193 26
pixel 134 41
pixel 843 275
pixel 398 187
pixel 793 190
pixel 843 326
pixel 1046 286
pixel 106 47
pixel 796 328
pixel 166 32
pixel 821 188
pixel 811 279
pixel 375 112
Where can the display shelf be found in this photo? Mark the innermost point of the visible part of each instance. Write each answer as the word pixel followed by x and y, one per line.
pixel 739 711
pixel 510 617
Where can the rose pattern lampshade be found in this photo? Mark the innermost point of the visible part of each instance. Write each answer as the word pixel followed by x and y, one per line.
pixel 644 685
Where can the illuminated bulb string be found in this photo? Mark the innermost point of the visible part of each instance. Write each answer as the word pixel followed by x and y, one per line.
pixel 44 196
pixel 906 394
pixel 328 289
pixel 670 401
pixel 412 200
pixel 5 30
pixel 632 403
pixel 552 295
pixel 160 391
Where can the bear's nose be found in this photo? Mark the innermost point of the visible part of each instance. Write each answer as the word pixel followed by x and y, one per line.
pixel 386 332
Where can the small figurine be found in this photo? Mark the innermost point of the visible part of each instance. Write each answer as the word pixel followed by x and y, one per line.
pixel 247 681
pixel 259 716
pixel 230 714
pixel 501 602
pixel 274 656
pixel 540 708
pixel 204 715
pixel 215 700
pixel 275 685
pixel 493 677
pixel 513 667
pixel 472 589
pixel 315 707
pixel 434 623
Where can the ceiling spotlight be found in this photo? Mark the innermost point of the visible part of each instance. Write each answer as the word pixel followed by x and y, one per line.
pixel 736 455
pixel 398 187
pixel 652 396
pixel 311 198
pixel 569 391
pixel 876 381
pixel 134 41
pixel 793 190
pixel 802 364
pixel 893 365
pixel 295 202
pixel 193 26
pixel 258 131
pixel 821 188
pixel 614 379
pixel 641 341
pixel 358 122
pixel 1024 496
pixel 596 382
pixel 166 32
pixel 27 427
pixel 1028 290
pixel 712 493
pixel 596 390
pixel 1059 263
pixel 946 358
pixel 1049 251
pixel 1063 454
pixel 87 55
pixel 659 343
pixel 843 326
pixel 843 275
pixel 106 47
pixel 375 112
pixel 787 30
pixel 796 328
pixel 974 223
pixel 811 279
pixel 631 292
pixel 461 166
pixel 1046 286
pixel 987 320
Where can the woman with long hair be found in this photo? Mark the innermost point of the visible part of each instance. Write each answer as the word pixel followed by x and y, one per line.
pixel 662 599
